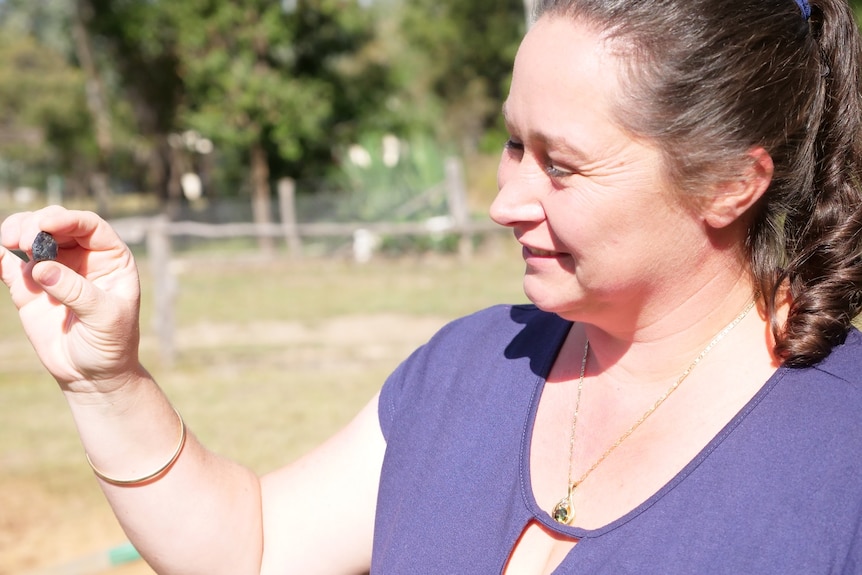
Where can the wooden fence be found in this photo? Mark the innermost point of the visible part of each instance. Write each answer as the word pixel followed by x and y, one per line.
pixel 157 233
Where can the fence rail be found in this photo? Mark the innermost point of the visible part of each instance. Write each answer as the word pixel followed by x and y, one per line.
pixel 135 230
pixel 157 233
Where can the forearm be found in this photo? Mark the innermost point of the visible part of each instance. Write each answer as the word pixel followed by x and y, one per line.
pixel 202 515
pixel 81 313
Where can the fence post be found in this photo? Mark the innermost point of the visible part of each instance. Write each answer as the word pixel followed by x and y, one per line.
pixel 164 286
pixel 456 189
pixel 287 211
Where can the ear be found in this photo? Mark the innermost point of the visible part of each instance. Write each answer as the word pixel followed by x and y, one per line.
pixel 734 198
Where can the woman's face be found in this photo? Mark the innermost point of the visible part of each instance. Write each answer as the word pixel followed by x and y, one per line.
pixel 601 230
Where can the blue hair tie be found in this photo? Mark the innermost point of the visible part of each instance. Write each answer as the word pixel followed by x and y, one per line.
pixel 805 7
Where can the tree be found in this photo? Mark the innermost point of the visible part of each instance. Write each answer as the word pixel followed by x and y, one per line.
pixel 275 83
pixel 268 79
pixel 96 104
pixel 43 125
pixel 462 54
pixel 136 65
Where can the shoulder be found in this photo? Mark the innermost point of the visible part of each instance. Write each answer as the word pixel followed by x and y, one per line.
pixel 498 325
pixel 844 363
pixel 488 339
pixel 471 357
pixel 825 400
pixel 831 388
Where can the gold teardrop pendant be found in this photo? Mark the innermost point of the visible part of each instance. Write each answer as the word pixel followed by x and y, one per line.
pixel 564 512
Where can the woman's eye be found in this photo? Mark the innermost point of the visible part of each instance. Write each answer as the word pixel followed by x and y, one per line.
pixel 556 172
pixel 518 148
pixel 514 145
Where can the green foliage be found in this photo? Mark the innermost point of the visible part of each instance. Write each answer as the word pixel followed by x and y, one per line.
pixel 462 55
pixel 45 20
pixel 253 70
pixel 136 43
pixel 42 112
pixel 303 78
pixel 391 178
pixel 306 79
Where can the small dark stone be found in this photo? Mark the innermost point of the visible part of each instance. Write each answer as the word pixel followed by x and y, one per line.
pixel 563 512
pixel 44 247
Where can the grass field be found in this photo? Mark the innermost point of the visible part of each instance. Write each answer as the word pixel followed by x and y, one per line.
pixel 271 358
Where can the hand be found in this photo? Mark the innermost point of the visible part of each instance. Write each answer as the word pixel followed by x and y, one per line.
pixel 81 312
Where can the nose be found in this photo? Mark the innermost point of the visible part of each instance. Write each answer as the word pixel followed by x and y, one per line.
pixel 518 194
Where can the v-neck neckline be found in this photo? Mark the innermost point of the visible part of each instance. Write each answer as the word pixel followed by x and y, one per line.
pixel 542 516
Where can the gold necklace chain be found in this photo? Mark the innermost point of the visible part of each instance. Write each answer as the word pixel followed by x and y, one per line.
pixel 564 510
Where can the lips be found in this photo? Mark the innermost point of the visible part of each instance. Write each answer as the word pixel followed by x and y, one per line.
pixel 536 252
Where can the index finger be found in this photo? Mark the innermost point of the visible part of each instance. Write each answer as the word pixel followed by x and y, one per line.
pixel 70 228
pixel 11 267
pixel 10 230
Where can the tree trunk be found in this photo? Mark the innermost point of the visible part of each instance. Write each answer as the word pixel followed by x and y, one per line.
pixel 97 106
pixel 176 169
pixel 261 201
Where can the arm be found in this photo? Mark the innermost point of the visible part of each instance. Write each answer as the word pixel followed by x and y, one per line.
pixel 332 495
pixel 204 514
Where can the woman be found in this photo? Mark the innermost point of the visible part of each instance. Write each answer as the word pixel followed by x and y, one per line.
pixel 682 397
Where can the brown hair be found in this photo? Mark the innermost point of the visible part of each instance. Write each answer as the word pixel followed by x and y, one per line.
pixel 709 80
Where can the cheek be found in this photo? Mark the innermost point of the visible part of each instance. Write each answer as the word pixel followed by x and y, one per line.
pixel 573 216
pixel 599 235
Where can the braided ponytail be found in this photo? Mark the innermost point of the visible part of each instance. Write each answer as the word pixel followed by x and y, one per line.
pixel 824 231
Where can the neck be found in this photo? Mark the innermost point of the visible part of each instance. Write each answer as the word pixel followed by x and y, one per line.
pixel 657 345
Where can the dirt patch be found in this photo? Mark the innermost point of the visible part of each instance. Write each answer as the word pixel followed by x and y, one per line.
pixel 40 529
pixel 360 337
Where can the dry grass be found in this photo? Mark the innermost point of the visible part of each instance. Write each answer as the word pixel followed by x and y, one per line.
pixel 272 357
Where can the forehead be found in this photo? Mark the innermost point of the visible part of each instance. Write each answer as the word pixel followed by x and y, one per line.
pixel 565 74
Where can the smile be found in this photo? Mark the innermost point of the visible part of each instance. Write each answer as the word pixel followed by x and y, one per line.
pixel 540 253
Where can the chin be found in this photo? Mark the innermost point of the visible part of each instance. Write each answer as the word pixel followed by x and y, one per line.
pixel 550 304
pixel 572 307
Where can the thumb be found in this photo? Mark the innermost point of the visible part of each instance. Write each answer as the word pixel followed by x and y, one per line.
pixel 68 288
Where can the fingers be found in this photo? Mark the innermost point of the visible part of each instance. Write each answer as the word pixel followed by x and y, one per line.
pixel 94 278
pixel 10 230
pixel 69 227
pixel 68 288
pixel 89 251
pixel 11 267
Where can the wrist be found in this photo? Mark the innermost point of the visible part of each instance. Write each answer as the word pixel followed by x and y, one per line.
pixel 131 434
pixel 151 476
pixel 117 393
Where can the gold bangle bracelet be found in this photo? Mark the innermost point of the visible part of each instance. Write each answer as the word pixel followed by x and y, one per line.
pixel 146 478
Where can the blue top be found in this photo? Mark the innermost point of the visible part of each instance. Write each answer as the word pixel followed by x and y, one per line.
pixel 777 491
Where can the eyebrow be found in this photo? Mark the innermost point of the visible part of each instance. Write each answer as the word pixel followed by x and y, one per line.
pixel 549 141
